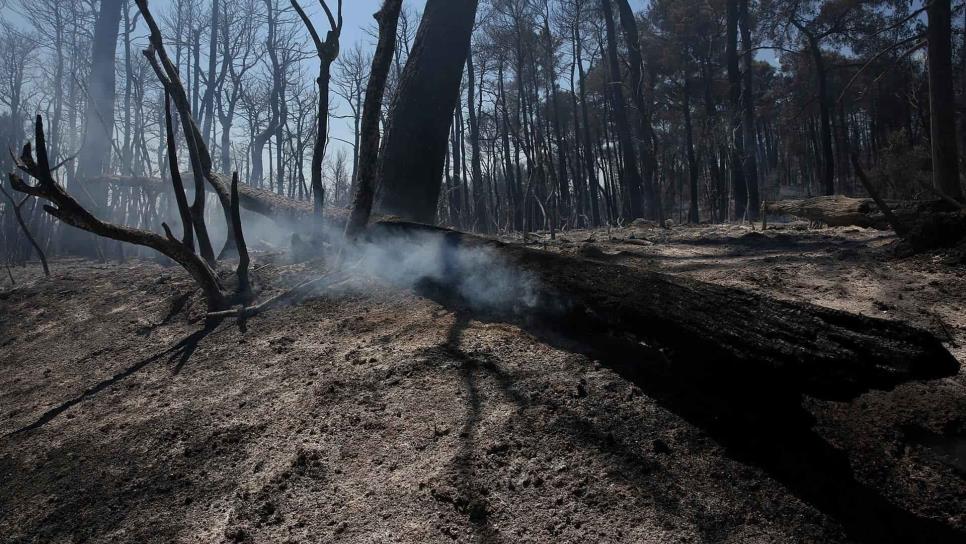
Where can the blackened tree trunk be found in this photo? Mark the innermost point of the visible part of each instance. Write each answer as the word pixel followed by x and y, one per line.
pixel 328 52
pixel 388 19
pixel 645 130
pixel 593 183
pixel 749 162
pixel 738 185
pixel 942 101
pixel 479 203
pixel 631 174
pixel 411 168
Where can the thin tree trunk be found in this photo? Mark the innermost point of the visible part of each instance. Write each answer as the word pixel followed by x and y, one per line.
pixel 631 175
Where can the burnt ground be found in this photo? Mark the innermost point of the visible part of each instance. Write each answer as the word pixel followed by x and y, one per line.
pixel 371 414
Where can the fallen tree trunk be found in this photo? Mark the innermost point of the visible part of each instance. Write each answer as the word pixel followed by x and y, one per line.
pixel 699 329
pixel 843 211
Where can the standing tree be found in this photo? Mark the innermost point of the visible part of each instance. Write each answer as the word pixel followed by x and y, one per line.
pixel 411 168
pixel 942 100
pixel 749 161
pixel 95 157
pixel 631 176
pixel 328 52
pixel 388 20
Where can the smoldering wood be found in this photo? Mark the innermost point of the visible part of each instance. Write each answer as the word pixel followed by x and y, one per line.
pixel 701 330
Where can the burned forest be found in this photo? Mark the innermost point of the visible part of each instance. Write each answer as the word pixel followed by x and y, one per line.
pixel 483 271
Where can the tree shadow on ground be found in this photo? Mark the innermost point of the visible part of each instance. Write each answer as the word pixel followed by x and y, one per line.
pixel 180 352
pixel 759 422
pixel 469 498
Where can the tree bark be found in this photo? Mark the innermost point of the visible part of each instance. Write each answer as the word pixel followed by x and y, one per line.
pixel 739 186
pixel 415 141
pixel 696 330
pixel 388 20
pixel 328 52
pixel 95 157
pixel 631 178
pixel 645 134
pixel 749 162
pixel 942 101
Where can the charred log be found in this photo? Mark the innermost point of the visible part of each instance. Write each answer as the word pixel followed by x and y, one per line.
pixel 843 211
pixel 698 330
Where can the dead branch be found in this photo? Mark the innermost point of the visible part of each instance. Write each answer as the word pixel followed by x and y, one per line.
pixel 292 296
pixel 67 209
pixel 244 283
pixel 189 222
pixel 201 164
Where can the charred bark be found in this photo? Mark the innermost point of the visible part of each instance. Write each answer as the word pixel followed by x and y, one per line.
pixel 414 150
pixel 696 330
pixel 388 20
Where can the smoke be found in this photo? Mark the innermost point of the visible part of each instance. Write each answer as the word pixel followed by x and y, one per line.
pixel 481 278
pixel 410 257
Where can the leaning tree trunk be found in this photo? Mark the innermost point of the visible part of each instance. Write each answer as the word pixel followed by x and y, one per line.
pixel 942 101
pixel 388 19
pixel 411 168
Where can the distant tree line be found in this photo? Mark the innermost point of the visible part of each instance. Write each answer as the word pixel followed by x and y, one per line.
pixel 556 114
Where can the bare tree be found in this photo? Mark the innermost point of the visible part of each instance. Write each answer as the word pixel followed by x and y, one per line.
pixel 352 72
pixel 388 18
pixel 328 52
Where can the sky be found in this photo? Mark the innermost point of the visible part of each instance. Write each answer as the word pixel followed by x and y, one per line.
pixel 357 15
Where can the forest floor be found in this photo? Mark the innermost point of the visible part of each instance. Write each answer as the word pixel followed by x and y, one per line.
pixel 371 414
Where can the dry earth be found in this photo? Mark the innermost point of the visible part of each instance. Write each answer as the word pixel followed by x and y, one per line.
pixel 371 414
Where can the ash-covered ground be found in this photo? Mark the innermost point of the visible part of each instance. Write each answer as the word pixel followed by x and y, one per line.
pixel 371 414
